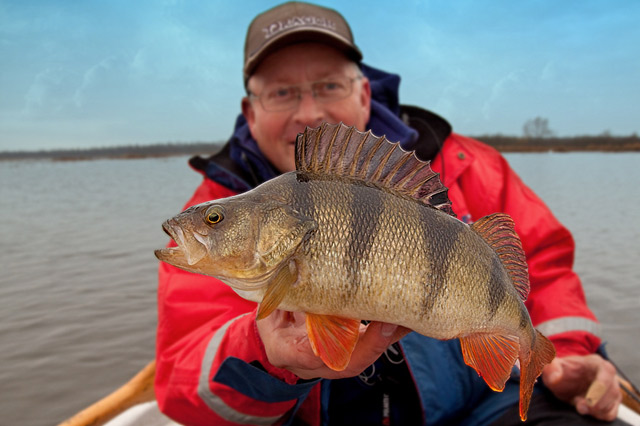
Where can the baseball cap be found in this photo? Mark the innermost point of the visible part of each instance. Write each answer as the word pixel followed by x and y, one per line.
pixel 296 22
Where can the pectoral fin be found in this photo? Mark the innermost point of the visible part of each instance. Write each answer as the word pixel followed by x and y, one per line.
pixel 277 289
pixel 333 338
pixel 492 356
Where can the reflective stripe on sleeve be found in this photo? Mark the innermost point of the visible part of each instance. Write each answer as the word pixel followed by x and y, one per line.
pixel 564 324
pixel 215 402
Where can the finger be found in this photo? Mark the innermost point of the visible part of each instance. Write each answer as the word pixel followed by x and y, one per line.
pixel 377 338
pixel 612 414
pixel 400 333
pixel 603 397
pixel 606 408
pixel 605 385
pixel 607 412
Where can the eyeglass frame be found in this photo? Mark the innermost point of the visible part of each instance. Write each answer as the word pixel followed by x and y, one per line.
pixel 300 92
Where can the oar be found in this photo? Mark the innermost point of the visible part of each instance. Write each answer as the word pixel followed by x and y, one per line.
pixel 630 394
pixel 136 391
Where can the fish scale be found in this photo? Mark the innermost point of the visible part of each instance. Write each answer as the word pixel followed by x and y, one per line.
pixel 371 239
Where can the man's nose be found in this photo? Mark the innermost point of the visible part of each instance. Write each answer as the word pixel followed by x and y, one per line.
pixel 309 111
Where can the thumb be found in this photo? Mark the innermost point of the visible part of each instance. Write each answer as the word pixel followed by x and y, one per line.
pixel 552 372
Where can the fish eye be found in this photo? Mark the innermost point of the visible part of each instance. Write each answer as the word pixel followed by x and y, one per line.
pixel 214 215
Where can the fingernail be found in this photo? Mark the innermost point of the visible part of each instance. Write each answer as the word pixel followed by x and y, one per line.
pixel 582 408
pixel 554 377
pixel 387 330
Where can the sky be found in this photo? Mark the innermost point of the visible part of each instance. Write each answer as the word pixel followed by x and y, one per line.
pixel 89 73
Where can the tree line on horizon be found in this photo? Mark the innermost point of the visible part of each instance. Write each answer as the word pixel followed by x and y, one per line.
pixel 121 152
pixel 537 136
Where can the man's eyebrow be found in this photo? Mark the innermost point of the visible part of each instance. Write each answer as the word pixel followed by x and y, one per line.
pixel 285 81
pixel 290 81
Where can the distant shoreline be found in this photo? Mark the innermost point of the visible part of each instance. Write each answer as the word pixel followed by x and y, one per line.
pixel 117 152
pixel 602 143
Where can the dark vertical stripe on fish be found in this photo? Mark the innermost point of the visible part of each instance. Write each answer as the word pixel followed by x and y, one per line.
pixel 495 286
pixel 301 196
pixel 366 206
pixel 525 320
pixel 440 245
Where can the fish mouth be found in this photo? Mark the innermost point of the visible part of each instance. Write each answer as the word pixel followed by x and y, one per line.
pixel 171 255
pixel 189 250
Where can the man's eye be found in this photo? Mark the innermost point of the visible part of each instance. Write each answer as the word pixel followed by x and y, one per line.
pixel 330 85
pixel 331 88
pixel 280 93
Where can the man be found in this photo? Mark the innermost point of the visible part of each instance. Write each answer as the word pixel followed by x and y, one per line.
pixel 218 365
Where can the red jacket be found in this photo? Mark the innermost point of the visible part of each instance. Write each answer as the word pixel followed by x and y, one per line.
pixel 203 323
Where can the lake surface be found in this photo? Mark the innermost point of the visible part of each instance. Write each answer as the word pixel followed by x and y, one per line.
pixel 78 281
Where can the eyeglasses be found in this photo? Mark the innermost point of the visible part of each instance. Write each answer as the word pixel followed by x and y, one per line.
pixel 276 97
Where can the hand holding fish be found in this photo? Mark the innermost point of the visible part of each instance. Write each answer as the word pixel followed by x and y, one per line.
pixel 284 335
pixel 588 382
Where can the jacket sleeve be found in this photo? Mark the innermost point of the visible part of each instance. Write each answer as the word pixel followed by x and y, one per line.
pixel 211 366
pixel 556 302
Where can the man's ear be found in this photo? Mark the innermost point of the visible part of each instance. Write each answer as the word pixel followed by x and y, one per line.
pixel 248 111
pixel 365 98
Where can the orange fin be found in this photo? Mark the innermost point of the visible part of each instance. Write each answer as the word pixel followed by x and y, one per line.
pixel 542 353
pixel 338 149
pixel 277 290
pixel 492 356
pixel 498 230
pixel 333 338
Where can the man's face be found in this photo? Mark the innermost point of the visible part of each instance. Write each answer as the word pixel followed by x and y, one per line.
pixel 300 65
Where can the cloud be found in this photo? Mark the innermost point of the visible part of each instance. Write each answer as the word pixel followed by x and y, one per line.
pixel 548 72
pixel 497 91
pixel 39 95
pixel 89 79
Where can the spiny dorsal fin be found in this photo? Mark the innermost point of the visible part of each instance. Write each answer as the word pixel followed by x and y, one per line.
pixel 498 230
pixel 338 149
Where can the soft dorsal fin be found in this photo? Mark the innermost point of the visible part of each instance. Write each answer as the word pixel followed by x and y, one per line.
pixel 498 230
pixel 338 149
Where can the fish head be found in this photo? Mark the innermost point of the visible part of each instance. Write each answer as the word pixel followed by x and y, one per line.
pixel 241 240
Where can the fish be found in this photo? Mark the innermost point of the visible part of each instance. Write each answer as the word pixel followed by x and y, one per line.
pixel 363 230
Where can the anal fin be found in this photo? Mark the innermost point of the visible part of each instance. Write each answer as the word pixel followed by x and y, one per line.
pixel 333 338
pixel 277 290
pixel 542 353
pixel 492 356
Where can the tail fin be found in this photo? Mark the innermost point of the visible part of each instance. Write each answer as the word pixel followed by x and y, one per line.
pixel 542 354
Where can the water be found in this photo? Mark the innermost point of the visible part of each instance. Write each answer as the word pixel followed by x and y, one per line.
pixel 78 284
pixel 596 195
pixel 78 281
